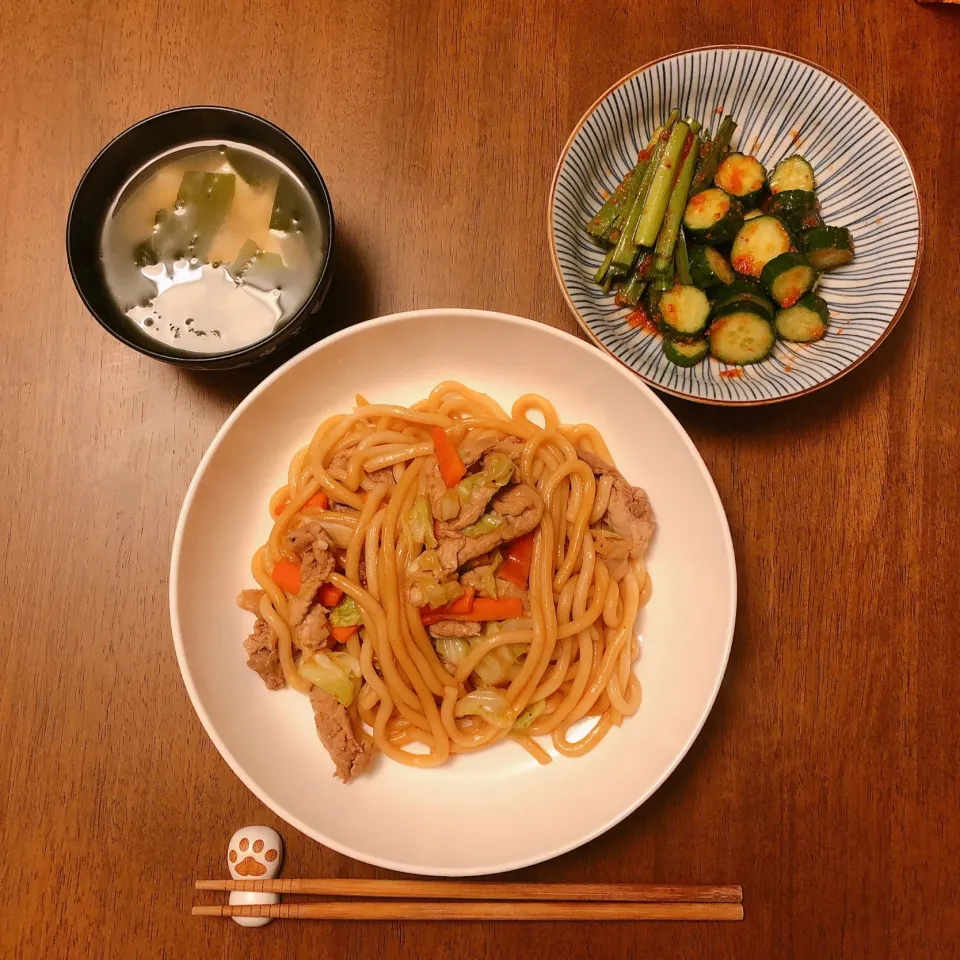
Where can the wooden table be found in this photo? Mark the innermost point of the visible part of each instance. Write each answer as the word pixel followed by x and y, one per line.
pixel 826 779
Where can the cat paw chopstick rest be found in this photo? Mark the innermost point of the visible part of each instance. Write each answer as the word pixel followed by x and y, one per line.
pixel 255 853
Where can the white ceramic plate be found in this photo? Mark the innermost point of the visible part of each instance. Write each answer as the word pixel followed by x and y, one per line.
pixel 783 105
pixel 499 809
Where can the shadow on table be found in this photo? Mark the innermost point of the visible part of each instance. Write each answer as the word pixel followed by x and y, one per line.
pixel 349 301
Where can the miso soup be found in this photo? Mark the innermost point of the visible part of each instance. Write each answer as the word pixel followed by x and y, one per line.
pixel 212 246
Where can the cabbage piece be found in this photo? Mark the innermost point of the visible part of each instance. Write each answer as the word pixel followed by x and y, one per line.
pixel 429 561
pixel 528 716
pixel 465 486
pixel 449 505
pixel 418 524
pixel 326 673
pixel 498 472
pixel 499 469
pixel 438 594
pixel 340 534
pixel 491 705
pixel 453 649
pixel 348 663
pixel 486 524
pixel 346 614
pixel 494 667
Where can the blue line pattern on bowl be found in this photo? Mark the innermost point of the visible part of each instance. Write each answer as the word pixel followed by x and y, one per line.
pixel 782 106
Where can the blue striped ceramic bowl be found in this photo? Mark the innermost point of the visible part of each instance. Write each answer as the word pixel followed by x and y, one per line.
pixel 782 105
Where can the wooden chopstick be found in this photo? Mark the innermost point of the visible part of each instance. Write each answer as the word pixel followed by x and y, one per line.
pixel 477 910
pixel 487 890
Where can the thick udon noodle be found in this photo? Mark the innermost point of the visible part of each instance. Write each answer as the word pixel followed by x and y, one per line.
pixel 580 635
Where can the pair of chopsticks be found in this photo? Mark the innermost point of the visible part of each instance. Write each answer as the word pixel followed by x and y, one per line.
pixel 466 900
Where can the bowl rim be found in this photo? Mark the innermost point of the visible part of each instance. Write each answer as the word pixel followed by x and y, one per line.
pixel 261 793
pixel 766 401
pixel 250 351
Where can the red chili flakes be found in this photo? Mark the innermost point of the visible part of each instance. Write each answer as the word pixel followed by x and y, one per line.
pixel 640 319
pixel 732 374
pixel 839 329
pixel 879 221
pixel 788 367
pixel 698 202
pixel 718 110
pixel 791 298
pixel 745 264
pixel 795 137
pixel 755 146
pixel 604 194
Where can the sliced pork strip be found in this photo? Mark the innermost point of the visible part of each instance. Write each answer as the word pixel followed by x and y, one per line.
pixel 475 444
pixel 350 755
pixel 249 600
pixel 521 508
pixel 263 657
pixel 313 632
pixel 471 511
pixel 628 512
pixel 455 628
pixel 312 544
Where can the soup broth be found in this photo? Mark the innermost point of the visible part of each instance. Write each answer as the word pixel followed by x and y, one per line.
pixel 211 247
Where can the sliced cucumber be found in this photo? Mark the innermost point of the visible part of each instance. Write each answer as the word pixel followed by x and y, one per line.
pixel 742 177
pixel 827 247
pixel 805 321
pixel 756 212
pixel 743 290
pixel 709 267
pixel 794 173
pixel 712 216
pixel 798 209
pixel 788 277
pixel 685 353
pixel 757 243
pixel 683 311
pixel 743 336
pixel 747 302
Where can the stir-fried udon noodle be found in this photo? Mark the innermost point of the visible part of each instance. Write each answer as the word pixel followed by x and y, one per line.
pixel 448 575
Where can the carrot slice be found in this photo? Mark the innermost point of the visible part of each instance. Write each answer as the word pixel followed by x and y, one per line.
pixel 516 565
pixel 318 500
pixel 280 507
pixel 463 604
pixel 287 576
pixel 506 608
pixel 343 634
pixel 330 595
pixel 448 459
pixel 483 608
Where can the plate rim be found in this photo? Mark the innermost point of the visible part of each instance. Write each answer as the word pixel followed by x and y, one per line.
pixel 711 401
pixel 277 808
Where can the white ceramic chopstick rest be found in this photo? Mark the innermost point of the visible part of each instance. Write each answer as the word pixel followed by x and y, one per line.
pixel 255 853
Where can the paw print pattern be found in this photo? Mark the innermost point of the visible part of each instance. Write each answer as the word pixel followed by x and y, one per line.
pixel 255 854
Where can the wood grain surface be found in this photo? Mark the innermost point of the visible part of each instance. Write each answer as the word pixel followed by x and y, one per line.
pixel 826 779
